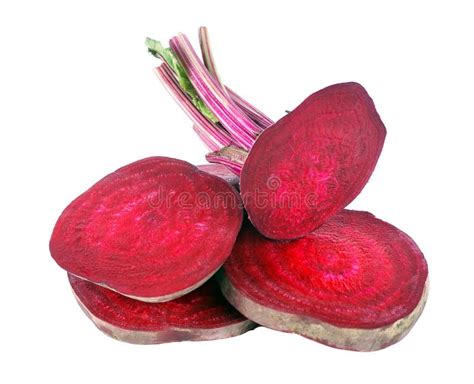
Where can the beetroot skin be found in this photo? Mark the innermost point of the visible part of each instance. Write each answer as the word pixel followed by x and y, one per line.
pixel 355 283
pixel 203 314
pixel 153 230
pixel 313 162
pixel 221 171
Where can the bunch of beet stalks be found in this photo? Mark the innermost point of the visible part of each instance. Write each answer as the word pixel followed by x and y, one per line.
pixel 161 250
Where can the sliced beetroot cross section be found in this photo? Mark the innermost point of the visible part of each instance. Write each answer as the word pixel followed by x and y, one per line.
pixel 356 282
pixel 203 314
pixel 153 230
pixel 313 162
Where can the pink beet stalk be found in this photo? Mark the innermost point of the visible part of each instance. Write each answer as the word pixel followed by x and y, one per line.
pixel 242 128
pixel 208 58
pixel 256 115
pixel 212 136
pixel 225 122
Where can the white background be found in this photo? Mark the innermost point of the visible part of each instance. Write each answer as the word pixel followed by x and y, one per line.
pixel 78 99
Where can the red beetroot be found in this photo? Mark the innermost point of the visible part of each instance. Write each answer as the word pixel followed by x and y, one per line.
pixel 203 314
pixel 295 173
pixel 153 230
pixel 313 162
pixel 355 283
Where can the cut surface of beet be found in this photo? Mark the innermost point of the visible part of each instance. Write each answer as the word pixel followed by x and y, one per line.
pixel 313 162
pixel 153 230
pixel 203 314
pixel 356 282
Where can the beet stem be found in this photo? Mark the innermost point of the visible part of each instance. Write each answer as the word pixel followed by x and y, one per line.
pixel 256 115
pixel 225 122
pixel 210 133
pixel 231 156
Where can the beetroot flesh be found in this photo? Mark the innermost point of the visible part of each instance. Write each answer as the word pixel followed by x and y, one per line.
pixel 355 283
pixel 153 230
pixel 203 314
pixel 313 162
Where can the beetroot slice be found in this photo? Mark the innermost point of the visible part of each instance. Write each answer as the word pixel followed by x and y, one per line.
pixel 203 314
pixel 313 162
pixel 355 283
pixel 153 230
